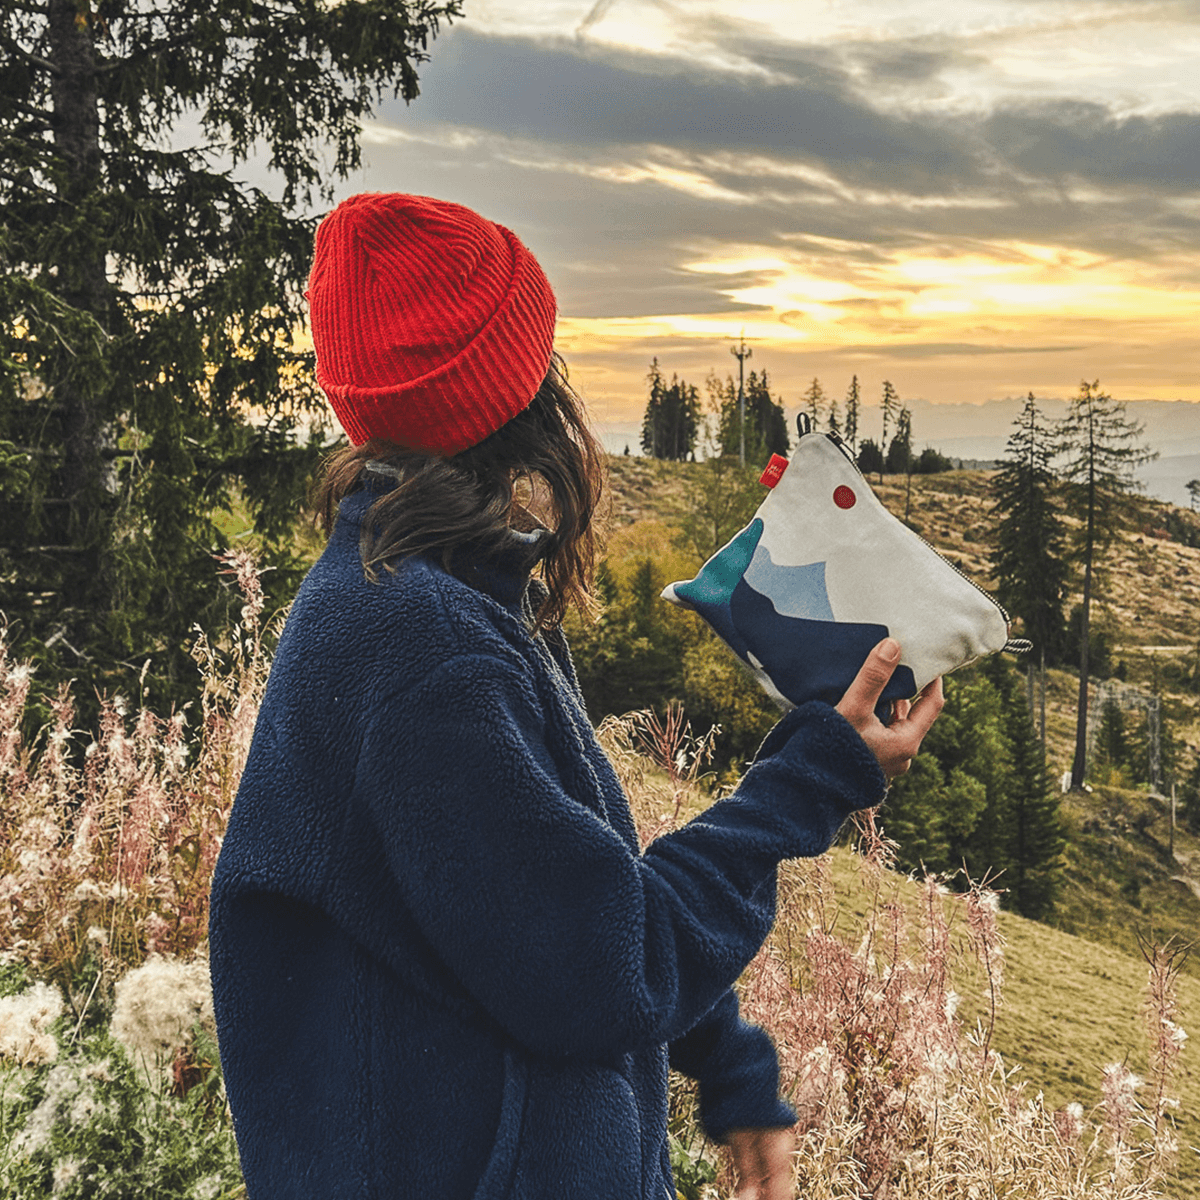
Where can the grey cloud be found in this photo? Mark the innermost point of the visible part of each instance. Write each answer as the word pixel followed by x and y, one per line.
pixel 614 248
pixel 944 350
pixel 906 63
pixel 853 66
pixel 610 249
pixel 1084 141
pixel 560 93
pixel 594 100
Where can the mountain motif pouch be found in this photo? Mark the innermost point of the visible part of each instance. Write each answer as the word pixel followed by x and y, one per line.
pixel 823 573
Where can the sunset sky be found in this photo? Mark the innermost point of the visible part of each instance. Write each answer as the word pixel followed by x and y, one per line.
pixel 971 198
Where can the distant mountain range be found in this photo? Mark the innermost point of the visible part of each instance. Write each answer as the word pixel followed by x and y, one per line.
pixel 980 432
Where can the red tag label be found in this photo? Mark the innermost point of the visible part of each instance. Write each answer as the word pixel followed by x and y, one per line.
pixel 774 471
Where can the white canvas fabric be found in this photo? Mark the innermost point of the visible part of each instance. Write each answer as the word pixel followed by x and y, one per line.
pixel 824 572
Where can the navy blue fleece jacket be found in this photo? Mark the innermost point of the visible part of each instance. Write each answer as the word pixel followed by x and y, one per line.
pixel 441 966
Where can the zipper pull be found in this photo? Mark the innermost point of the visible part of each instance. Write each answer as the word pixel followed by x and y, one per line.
pixel 836 439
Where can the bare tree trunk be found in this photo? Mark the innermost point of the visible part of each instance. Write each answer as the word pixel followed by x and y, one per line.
pixel 1043 704
pixel 82 269
pixel 1079 766
pixel 78 381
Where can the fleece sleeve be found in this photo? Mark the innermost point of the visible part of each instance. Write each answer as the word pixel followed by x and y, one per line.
pixel 575 945
pixel 737 1069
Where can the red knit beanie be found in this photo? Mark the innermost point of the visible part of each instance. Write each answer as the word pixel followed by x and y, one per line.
pixel 432 326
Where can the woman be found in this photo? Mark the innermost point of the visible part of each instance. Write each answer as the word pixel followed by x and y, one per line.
pixel 441 967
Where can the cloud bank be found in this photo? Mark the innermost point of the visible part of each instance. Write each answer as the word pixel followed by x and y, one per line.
pixel 921 195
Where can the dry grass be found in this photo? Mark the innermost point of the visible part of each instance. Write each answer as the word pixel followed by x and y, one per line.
pixel 903 1015
pixel 107 854
pixel 1121 875
pixel 902 1093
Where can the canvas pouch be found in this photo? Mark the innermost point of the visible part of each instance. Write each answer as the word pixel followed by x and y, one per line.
pixel 823 573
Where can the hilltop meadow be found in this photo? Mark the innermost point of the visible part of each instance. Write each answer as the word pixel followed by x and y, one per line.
pixel 934 1043
pixel 1125 871
pixel 1074 982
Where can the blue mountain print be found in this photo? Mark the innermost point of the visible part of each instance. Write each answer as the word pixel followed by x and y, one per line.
pixel 795 591
pixel 781 617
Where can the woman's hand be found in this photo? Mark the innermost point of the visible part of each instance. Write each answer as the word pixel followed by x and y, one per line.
pixel 893 745
pixel 762 1159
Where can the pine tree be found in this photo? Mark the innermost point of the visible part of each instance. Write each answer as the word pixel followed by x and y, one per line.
pixel 931 461
pixel 766 424
pixel 1030 554
pixel 1032 821
pixel 1103 446
pixel 978 794
pixel 870 458
pixel 834 424
pixel 1111 749
pixel 934 809
pixel 652 418
pixel 899 452
pixel 1189 799
pixel 889 406
pixel 150 374
pixel 815 402
pixel 671 422
pixel 632 656
pixel 852 408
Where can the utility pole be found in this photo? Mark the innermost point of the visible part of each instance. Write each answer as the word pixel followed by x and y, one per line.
pixel 1171 847
pixel 741 352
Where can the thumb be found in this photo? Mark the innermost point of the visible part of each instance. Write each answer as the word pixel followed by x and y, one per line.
pixel 858 704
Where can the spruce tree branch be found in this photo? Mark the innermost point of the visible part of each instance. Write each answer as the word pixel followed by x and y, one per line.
pixel 28 109
pixel 38 116
pixel 34 60
pixel 150 50
pixel 32 187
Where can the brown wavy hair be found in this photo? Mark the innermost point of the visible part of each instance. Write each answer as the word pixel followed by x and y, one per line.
pixel 460 509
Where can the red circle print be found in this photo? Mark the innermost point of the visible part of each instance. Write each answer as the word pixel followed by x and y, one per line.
pixel 844 497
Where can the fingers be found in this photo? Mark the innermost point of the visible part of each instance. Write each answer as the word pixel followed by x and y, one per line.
pixel 925 711
pixel 893 745
pixel 900 742
pixel 858 703
pixel 762 1159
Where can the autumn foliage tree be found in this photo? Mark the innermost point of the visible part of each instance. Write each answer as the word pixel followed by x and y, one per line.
pixel 150 374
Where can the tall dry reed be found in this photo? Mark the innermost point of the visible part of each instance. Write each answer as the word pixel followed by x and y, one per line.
pixel 897 1097
pixel 107 843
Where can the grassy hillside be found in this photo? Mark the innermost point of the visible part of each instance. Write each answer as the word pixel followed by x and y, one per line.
pixel 1069 1008
pixel 1123 876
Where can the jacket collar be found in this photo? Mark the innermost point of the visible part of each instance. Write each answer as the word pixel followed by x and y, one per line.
pixel 503 573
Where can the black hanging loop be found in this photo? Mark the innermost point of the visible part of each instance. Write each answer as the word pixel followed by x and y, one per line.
pixel 804 424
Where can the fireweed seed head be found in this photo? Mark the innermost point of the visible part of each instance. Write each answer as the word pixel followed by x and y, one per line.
pixel 65 1171
pixel 1120 1104
pixel 156 1007
pixel 25 1022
